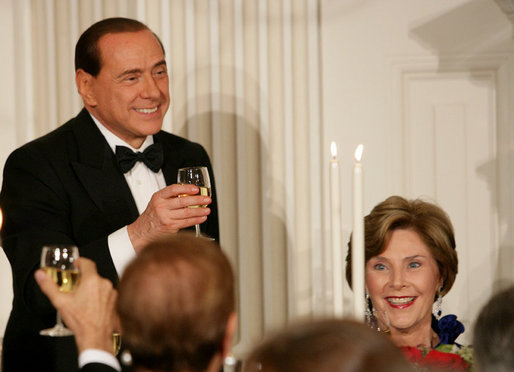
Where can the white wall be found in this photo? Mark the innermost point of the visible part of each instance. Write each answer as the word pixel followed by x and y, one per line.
pixel 394 67
pixel 361 39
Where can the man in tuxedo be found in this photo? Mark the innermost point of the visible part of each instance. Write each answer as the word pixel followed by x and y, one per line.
pixel 105 181
pixel 175 303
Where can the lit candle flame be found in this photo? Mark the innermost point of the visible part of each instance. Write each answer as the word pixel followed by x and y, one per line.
pixel 1 219
pixel 333 150
pixel 358 152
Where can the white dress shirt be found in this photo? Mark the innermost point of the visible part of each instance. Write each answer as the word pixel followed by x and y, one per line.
pixel 98 356
pixel 143 183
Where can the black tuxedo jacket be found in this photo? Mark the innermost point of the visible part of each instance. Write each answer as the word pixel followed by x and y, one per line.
pixel 97 367
pixel 66 187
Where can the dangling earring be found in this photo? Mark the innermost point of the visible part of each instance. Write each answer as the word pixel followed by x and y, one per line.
pixel 438 303
pixel 371 317
pixel 370 314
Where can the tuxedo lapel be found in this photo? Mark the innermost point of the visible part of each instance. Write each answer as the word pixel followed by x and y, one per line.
pixel 99 173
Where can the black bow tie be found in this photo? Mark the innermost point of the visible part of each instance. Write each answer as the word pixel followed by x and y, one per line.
pixel 152 157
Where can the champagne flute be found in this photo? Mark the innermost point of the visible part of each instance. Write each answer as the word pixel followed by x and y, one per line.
pixel 57 262
pixel 116 342
pixel 198 176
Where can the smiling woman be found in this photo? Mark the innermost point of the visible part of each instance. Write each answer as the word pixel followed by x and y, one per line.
pixel 402 282
pixel 411 263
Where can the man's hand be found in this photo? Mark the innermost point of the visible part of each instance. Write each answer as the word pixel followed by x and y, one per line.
pixel 88 310
pixel 167 212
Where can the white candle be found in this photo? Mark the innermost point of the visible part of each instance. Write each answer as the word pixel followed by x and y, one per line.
pixel 335 209
pixel 358 238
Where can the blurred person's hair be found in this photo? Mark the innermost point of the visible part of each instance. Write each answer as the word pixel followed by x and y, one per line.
pixel 493 336
pixel 175 299
pixel 327 346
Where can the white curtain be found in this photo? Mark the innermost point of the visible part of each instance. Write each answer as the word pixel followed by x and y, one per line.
pixel 245 83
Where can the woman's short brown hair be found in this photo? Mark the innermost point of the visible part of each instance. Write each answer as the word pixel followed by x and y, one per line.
pixel 427 219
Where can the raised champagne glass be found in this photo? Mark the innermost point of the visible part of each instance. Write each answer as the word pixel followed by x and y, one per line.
pixel 57 262
pixel 198 176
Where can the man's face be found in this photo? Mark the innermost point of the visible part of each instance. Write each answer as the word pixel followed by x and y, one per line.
pixel 130 95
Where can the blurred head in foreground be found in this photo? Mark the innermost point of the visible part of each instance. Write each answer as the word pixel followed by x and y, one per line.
pixel 493 338
pixel 327 346
pixel 176 306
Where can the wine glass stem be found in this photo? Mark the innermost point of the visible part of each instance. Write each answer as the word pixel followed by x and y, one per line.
pixel 59 320
pixel 197 230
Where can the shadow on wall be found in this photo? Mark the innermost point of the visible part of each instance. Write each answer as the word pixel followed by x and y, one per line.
pixel 489 171
pixel 252 228
pixel 483 27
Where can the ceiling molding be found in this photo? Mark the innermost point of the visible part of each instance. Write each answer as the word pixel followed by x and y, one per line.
pixel 507 6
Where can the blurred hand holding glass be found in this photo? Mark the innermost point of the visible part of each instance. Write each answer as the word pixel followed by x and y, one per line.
pixel 57 262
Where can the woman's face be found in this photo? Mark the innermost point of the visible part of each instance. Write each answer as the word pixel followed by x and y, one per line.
pixel 402 282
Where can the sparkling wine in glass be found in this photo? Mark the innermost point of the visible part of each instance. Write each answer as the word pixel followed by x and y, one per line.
pixel 198 176
pixel 57 262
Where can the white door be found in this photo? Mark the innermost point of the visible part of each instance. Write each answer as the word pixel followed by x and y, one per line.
pixel 450 157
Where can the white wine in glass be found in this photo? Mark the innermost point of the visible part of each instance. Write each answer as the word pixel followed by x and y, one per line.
pixel 57 262
pixel 198 176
